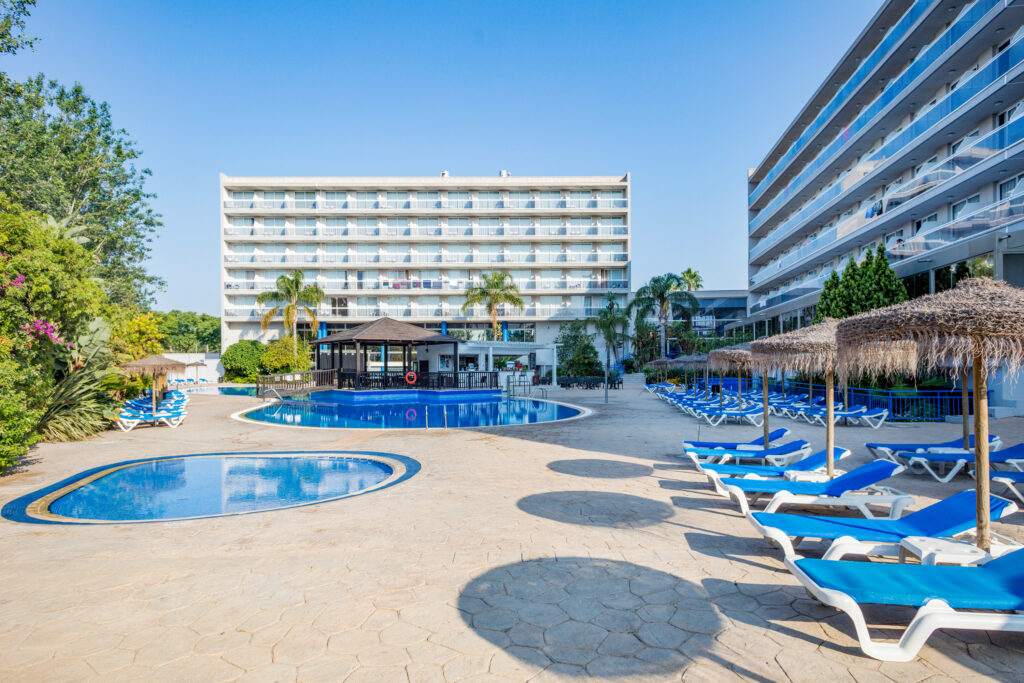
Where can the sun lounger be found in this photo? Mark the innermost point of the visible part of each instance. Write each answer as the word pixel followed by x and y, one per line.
pixel 128 419
pixel 851 535
pixel 778 455
pixel 887 450
pixel 858 489
pixel 873 418
pixel 992 592
pixel 752 445
pixel 753 415
pixel 1011 480
pixel 952 460
pixel 799 469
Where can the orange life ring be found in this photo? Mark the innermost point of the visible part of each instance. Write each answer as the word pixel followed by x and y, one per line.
pixel 410 377
pixel 412 417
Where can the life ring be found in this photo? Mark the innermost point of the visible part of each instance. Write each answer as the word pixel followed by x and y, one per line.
pixel 410 378
pixel 410 415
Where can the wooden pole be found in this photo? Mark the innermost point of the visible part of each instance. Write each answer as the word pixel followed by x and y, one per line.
pixel 830 428
pixel 764 399
pixel 721 390
pixel 965 408
pixel 707 384
pixel 981 465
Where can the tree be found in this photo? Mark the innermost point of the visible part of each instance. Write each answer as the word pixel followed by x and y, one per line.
pixel 645 340
pixel 61 155
pixel 611 322
pixel 135 336
pixel 886 288
pixel 12 25
pixel 864 287
pixel 241 360
pixel 290 298
pixel 188 331
pixel 281 356
pixel 662 295
pixel 692 280
pixel 828 305
pixel 577 356
pixel 495 289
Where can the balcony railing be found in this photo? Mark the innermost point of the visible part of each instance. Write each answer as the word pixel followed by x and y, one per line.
pixel 995 215
pixel 987 75
pixel 485 259
pixel 418 204
pixel 448 312
pixel 448 232
pixel 429 284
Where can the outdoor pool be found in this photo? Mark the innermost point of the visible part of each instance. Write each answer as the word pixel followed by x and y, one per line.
pixel 408 410
pixel 210 485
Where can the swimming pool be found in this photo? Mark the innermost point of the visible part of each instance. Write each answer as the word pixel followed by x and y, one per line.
pixel 408 410
pixel 210 485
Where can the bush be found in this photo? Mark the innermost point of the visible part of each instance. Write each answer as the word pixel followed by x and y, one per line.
pixel 242 359
pixel 284 355
pixel 20 409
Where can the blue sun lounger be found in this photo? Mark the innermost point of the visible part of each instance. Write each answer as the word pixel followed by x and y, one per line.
pixel 753 445
pixel 992 592
pixel 857 488
pixel 888 450
pixel 953 460
pixel 777 455
pixel 717 473
pixel 1010 480
pixel 850 535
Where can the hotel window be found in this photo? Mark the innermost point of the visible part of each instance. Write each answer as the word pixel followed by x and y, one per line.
pixel 489 198
pixel 398 195
pixel 428 223
pixel 613 220
pixel 966 206
pixel 366 222
pixel 273 196
pixel 305 222
pixel 458 200
pixel 427 196
pixel 305 199
pixel 339 305
pixel 398 226
pixel 366 200
pixel 959 144
pixel 241 195
pixel 1007 188
pixel 243 222
pixel 926 224
pixel 335 195
pixel 519 194
pixel 337 222
pixel 613 194
pixel 273 222
pixel 580 194
pixel 1004 117
pixel 580 221
pixel 490 224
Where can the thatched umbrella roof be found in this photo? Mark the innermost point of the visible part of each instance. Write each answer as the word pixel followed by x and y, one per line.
pixel 693 361
pixel 197 364
pixel 152 365
pixel 735 356
pixel 808 349
pixel 978 316
pixel 662 362
pixel 387 331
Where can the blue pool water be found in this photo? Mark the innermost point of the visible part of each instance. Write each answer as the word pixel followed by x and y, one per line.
pixel 336 409
pixel 213 485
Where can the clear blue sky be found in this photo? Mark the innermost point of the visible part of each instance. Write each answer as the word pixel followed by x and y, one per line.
pixel 684 95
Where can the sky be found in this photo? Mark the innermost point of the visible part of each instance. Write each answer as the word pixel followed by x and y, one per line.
pixel 684 96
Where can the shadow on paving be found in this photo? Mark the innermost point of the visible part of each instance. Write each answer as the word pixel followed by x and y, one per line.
pixel 595 617
pixel 597 508
pixel 600 469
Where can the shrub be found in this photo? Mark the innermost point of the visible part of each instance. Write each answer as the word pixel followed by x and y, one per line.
pixel 281 356
pixel 242 359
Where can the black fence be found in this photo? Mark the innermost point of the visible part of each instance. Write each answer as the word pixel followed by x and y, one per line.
pixel 396 379
pixel 589 382
pixel 294 382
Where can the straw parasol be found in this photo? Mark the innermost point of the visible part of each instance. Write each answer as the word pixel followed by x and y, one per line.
pixel 728 357
pixel 977 324
pixel 691 363
pixel 197 364
pixel 808 350
pixel 156 366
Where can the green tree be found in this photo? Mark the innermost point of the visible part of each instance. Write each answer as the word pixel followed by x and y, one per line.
pixel 886 288
pixel 241 360
pixel 62 155
pixel 662 296
pixel 12 25
pixel 281 356
pixel 828 305
pixel 190 332
pixel 571 334
pixel 611 322
pixel 495 289
pixel 577 355
pixel 135 336
pixel 644 340
pixel 291 298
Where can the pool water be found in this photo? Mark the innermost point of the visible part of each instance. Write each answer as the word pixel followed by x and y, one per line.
pixel 200 486
pixel 331 409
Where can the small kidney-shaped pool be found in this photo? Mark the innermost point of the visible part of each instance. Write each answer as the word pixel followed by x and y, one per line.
pixel 209 485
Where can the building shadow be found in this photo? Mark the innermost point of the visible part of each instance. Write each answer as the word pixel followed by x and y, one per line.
pixel 597 508
pixel 600 469
pixel 580 617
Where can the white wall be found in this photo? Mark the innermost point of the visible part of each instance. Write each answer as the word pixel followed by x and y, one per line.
pixel 211 372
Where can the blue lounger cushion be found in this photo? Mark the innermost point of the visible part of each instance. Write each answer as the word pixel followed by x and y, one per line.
pixel 996 585
pixel 855 479
pixel 759 441
pixel 948 517
pixel 808 464
pixel 1011 453
pixel 784 449
pixel 952 443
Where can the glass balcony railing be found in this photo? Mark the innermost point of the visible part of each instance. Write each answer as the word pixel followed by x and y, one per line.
pixel 930 177
pixel 449 311
pixel 791 293
pixel 399 204
pixel 985 77
pixel 995 215
pixel 430 231
pixel 433 284
pixel 895 34
pixel 591 257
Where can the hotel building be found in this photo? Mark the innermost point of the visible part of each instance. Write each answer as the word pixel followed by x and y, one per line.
pixel 408 248
pixel 915 140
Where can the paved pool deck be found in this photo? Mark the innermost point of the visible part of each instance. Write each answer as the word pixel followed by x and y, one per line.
pixel 568 551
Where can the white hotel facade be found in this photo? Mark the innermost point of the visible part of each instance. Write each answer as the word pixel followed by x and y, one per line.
pixel 407 248
pixel 915 140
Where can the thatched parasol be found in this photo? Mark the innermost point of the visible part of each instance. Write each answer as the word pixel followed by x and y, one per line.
pixel 978 323
pixel 808 350
pixel 728 357
pixel 156 366
pixel 197 364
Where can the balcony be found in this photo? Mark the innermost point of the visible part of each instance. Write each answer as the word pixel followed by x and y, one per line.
pixel 434 285
pixel 998 214
pixel 426 205
pixel 261 233
pixel 476 259
pixel 447 312
pixel 935 52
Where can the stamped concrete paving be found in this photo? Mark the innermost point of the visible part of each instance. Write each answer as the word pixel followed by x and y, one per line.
pixel 551 552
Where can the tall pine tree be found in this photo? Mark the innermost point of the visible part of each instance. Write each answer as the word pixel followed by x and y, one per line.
pixel 887 289
pixel 826 307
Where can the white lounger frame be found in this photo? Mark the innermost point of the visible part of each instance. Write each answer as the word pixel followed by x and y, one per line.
pixel 895 501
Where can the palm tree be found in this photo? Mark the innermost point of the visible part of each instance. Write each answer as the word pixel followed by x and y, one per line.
pixel 495 289
pixel 661 295
pixel 611 321
pixel 290 298
pixel 692 279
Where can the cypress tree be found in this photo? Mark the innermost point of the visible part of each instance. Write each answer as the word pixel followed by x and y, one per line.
pixel 888 289
pixel 826 307
pixel 849 286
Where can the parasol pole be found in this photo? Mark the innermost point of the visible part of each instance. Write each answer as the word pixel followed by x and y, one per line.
pixel 965 409
pixel 981 464
pixel 707 383
pixel 830 428
pixel 764 399
pixel 721 390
